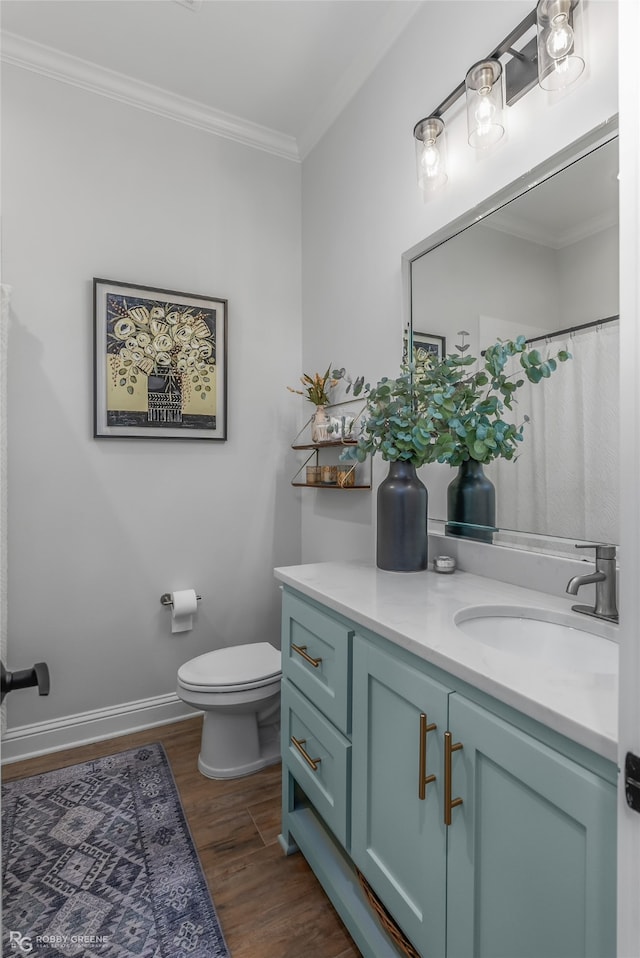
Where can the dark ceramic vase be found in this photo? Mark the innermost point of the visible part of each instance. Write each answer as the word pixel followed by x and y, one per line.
pixel 164 399
pixel 471 503
pixel 402 520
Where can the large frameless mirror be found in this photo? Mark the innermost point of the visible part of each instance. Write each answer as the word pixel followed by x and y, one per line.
pixel 540 261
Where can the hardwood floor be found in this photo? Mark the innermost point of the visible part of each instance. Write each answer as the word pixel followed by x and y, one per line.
pixel 269 905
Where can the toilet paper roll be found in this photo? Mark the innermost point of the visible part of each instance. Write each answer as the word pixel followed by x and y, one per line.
pixel 185 603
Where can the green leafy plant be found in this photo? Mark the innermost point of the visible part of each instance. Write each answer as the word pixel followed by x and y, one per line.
pixel 443 411
pixel 468 408
pixel 399 423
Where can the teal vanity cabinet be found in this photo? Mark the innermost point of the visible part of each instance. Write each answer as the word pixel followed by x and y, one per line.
pixel 532 847
pixel 399 839
pixel 482 833
pixel 316 761
pixel 316 711
pixel 480 839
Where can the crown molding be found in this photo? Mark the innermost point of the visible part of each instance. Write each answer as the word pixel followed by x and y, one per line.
pixel 56 65
pixel 519 227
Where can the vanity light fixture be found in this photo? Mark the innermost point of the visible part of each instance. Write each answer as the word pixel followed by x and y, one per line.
pixel 558 63
pixel 431 153
pixel 541 49
pixel 483 85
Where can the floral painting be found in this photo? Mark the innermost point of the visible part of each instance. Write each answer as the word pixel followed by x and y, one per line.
pixel 160 363
pixel 426 345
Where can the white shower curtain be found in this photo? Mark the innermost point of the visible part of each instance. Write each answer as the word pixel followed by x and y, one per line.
pixel 565 481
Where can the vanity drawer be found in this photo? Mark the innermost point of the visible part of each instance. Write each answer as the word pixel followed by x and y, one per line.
pixel 318 757
pixel 316 656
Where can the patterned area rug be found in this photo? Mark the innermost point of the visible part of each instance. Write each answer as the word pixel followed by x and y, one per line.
pixel 98 862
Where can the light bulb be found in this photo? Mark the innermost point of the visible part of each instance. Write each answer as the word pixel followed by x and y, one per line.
pixel 483 87
pixel 484 113
pixel 560 39
pixel 430 160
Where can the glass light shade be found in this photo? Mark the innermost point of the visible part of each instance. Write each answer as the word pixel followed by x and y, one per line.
pixel 431 154
pixel 485 104
pixel 559 64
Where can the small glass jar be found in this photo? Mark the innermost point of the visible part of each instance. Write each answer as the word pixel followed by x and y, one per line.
pixel 346 474
pixel 313 475
pixel 320 424
pixel 329 475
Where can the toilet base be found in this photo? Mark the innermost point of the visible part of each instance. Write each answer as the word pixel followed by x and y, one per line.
pixel 239 772
pixel 233 745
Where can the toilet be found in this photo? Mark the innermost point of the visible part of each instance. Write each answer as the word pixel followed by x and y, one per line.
pixel 238 689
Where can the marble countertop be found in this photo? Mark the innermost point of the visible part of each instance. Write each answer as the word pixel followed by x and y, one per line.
pixel 416 611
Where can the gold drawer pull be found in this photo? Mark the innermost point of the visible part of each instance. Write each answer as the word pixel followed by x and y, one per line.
pixel 423 778
pixel 311 762
pixel 302 650
pixel 449 803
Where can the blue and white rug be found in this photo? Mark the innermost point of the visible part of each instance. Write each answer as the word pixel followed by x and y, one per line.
pixel 98 862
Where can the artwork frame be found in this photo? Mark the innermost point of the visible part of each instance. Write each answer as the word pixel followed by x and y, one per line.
pixel 429 343
pixel 160 363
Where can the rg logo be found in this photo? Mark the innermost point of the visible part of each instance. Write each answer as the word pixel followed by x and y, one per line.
pixel 20 942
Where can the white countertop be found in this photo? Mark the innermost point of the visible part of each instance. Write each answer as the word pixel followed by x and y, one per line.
pixel 416 611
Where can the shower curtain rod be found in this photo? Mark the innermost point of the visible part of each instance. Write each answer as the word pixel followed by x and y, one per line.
pixel 573 329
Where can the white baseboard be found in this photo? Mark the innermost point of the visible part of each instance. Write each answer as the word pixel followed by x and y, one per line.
pixel 27 741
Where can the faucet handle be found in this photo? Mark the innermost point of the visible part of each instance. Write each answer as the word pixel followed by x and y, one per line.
pixel 603 550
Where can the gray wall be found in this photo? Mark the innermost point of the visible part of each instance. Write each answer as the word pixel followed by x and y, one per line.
pixel 99 529
pixel 362 208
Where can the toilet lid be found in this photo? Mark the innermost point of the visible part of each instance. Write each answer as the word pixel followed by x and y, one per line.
pixel 241 666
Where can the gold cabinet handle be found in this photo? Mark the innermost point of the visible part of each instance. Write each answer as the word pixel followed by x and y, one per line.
pixel 311 762
pixel 449 803
pixel 302 650
pixel 423 778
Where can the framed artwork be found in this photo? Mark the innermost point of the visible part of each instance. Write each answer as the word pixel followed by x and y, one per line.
pixel 426 344
pixel 160 363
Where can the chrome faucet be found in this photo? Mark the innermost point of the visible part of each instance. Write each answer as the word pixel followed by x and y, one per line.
pixel 605 581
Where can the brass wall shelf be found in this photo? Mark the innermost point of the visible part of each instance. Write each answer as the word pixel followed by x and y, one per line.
pixel 326 444
pixel 327 485
pixel 315 449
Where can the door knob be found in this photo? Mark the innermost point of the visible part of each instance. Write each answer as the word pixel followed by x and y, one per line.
pixel 24 679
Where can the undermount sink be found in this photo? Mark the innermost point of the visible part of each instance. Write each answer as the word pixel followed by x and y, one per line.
pixel 556 638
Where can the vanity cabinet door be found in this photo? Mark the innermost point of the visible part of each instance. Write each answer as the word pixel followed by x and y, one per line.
pixel 398 837
pixel 531 849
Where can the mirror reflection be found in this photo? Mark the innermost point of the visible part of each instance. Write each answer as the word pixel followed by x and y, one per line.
pixel 545 266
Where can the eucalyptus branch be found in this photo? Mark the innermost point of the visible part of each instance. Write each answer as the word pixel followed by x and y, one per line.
pixel 435 412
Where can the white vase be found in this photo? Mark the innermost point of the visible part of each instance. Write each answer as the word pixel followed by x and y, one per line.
pixel 320 425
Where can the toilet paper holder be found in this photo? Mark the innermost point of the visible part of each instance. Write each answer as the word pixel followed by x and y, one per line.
pixel 166 599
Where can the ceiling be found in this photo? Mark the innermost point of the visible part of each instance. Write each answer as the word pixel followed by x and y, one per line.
pixel 288 65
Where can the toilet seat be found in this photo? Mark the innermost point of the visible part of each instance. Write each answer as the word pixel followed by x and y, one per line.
pixel 233 669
